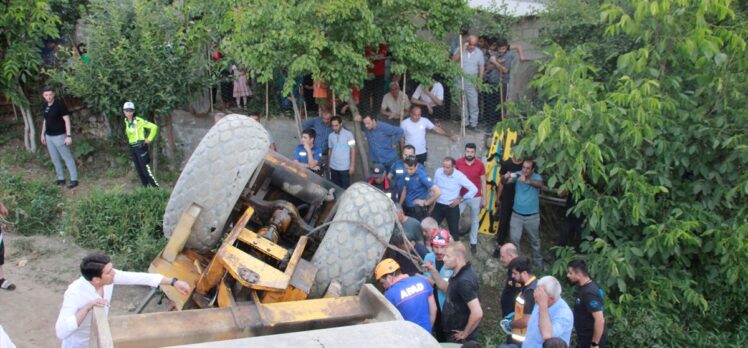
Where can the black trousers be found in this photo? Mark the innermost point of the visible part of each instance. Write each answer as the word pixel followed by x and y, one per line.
pixel 415 212
pixel 340 178
pixel 139 154
pixel 505 216
pixel 452 214
pixel 422 158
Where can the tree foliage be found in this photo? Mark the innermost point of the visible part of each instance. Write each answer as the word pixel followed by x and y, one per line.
pixel 23 26
pixel 327 39
pixel 141 51
pixel 655 152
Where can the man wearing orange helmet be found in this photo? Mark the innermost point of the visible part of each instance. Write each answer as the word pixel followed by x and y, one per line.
pixel 412 296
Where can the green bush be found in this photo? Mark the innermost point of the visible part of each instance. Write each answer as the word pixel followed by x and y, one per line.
pixel 125 225
pixel 35 207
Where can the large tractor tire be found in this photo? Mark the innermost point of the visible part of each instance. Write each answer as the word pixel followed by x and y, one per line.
pixel 348 253
pixel 215 176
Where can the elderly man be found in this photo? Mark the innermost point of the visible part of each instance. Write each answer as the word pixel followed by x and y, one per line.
pixel 511 287
pixel 412 230
pixel 450 181
pixel 415 128
pixel 412 296
pixel 383 139
pixel 394 103
pixel 551 316
pixel 94 289
pixel 473 63
pixel 462 311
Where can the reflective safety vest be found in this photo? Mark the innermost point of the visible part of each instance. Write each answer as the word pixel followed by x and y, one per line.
pixel 135 130
pixel 519 310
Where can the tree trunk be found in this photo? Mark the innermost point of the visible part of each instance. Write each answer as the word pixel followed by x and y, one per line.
pixel 29 131
pixel 296 115
pixel 154 152
pixel 363 154
pixel 171 145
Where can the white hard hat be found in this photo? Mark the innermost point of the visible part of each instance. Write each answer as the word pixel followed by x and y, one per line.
pixel 128 105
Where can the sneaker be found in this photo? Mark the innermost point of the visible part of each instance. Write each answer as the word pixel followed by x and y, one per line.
pixel 473 249
pixel 60 182
pixel 73 184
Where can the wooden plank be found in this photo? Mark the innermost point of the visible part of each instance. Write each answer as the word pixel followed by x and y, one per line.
pixel 250 271
pixel 181 232
pixel 262 245
pixel 101 335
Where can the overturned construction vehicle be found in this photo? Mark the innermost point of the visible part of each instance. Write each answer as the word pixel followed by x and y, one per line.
pixel 270 249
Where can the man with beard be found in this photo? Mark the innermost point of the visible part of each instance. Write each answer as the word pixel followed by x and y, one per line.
pixel 438 275
pixel 475 171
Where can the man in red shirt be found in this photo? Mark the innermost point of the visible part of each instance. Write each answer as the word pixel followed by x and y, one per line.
pixel 371 94
pixel 474 169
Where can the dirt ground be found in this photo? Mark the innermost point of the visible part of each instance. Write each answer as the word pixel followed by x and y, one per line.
pixel 42 267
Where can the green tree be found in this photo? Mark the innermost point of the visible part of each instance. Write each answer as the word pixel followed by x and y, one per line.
pixel 328 39
pixel 23 26
pixel 142 51
pixel 656 152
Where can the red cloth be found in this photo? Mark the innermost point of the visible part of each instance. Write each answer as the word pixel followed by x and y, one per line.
pixel 216 56
pixel 377 67
pixel 472 172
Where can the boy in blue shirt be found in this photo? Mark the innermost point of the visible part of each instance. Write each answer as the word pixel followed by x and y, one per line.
pixel 306 154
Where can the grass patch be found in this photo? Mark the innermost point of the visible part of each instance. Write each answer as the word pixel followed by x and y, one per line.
pixel 125 225
pixel 36 206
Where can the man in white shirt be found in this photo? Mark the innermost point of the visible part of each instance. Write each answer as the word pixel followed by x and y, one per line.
pixel 450 181
pixel 414 130
pixel 431 99
pixel 394 103
pixel 94 289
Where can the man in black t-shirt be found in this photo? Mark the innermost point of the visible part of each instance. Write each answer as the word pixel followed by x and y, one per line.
pixel 589 320
pixel 462 312
pixel 57 135
pixel 506 200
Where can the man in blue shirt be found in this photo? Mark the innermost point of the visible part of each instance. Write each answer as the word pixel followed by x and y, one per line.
pixel 437 274
pixel 526 209
pixel 322 127
pixel 412 296
pixel 383 139
pixel 551 316
pixel 397 172
pixel 307 154
pixel 415 197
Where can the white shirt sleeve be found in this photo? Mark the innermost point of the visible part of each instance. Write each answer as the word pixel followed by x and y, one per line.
pixel 438 91
pixel 427 123
pixel 137 278
pixel 66 322
pixel 466 183
pixel 5 341
pixel 417 93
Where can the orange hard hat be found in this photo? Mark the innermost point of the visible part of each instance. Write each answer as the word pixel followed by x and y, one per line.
pixel 385 267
